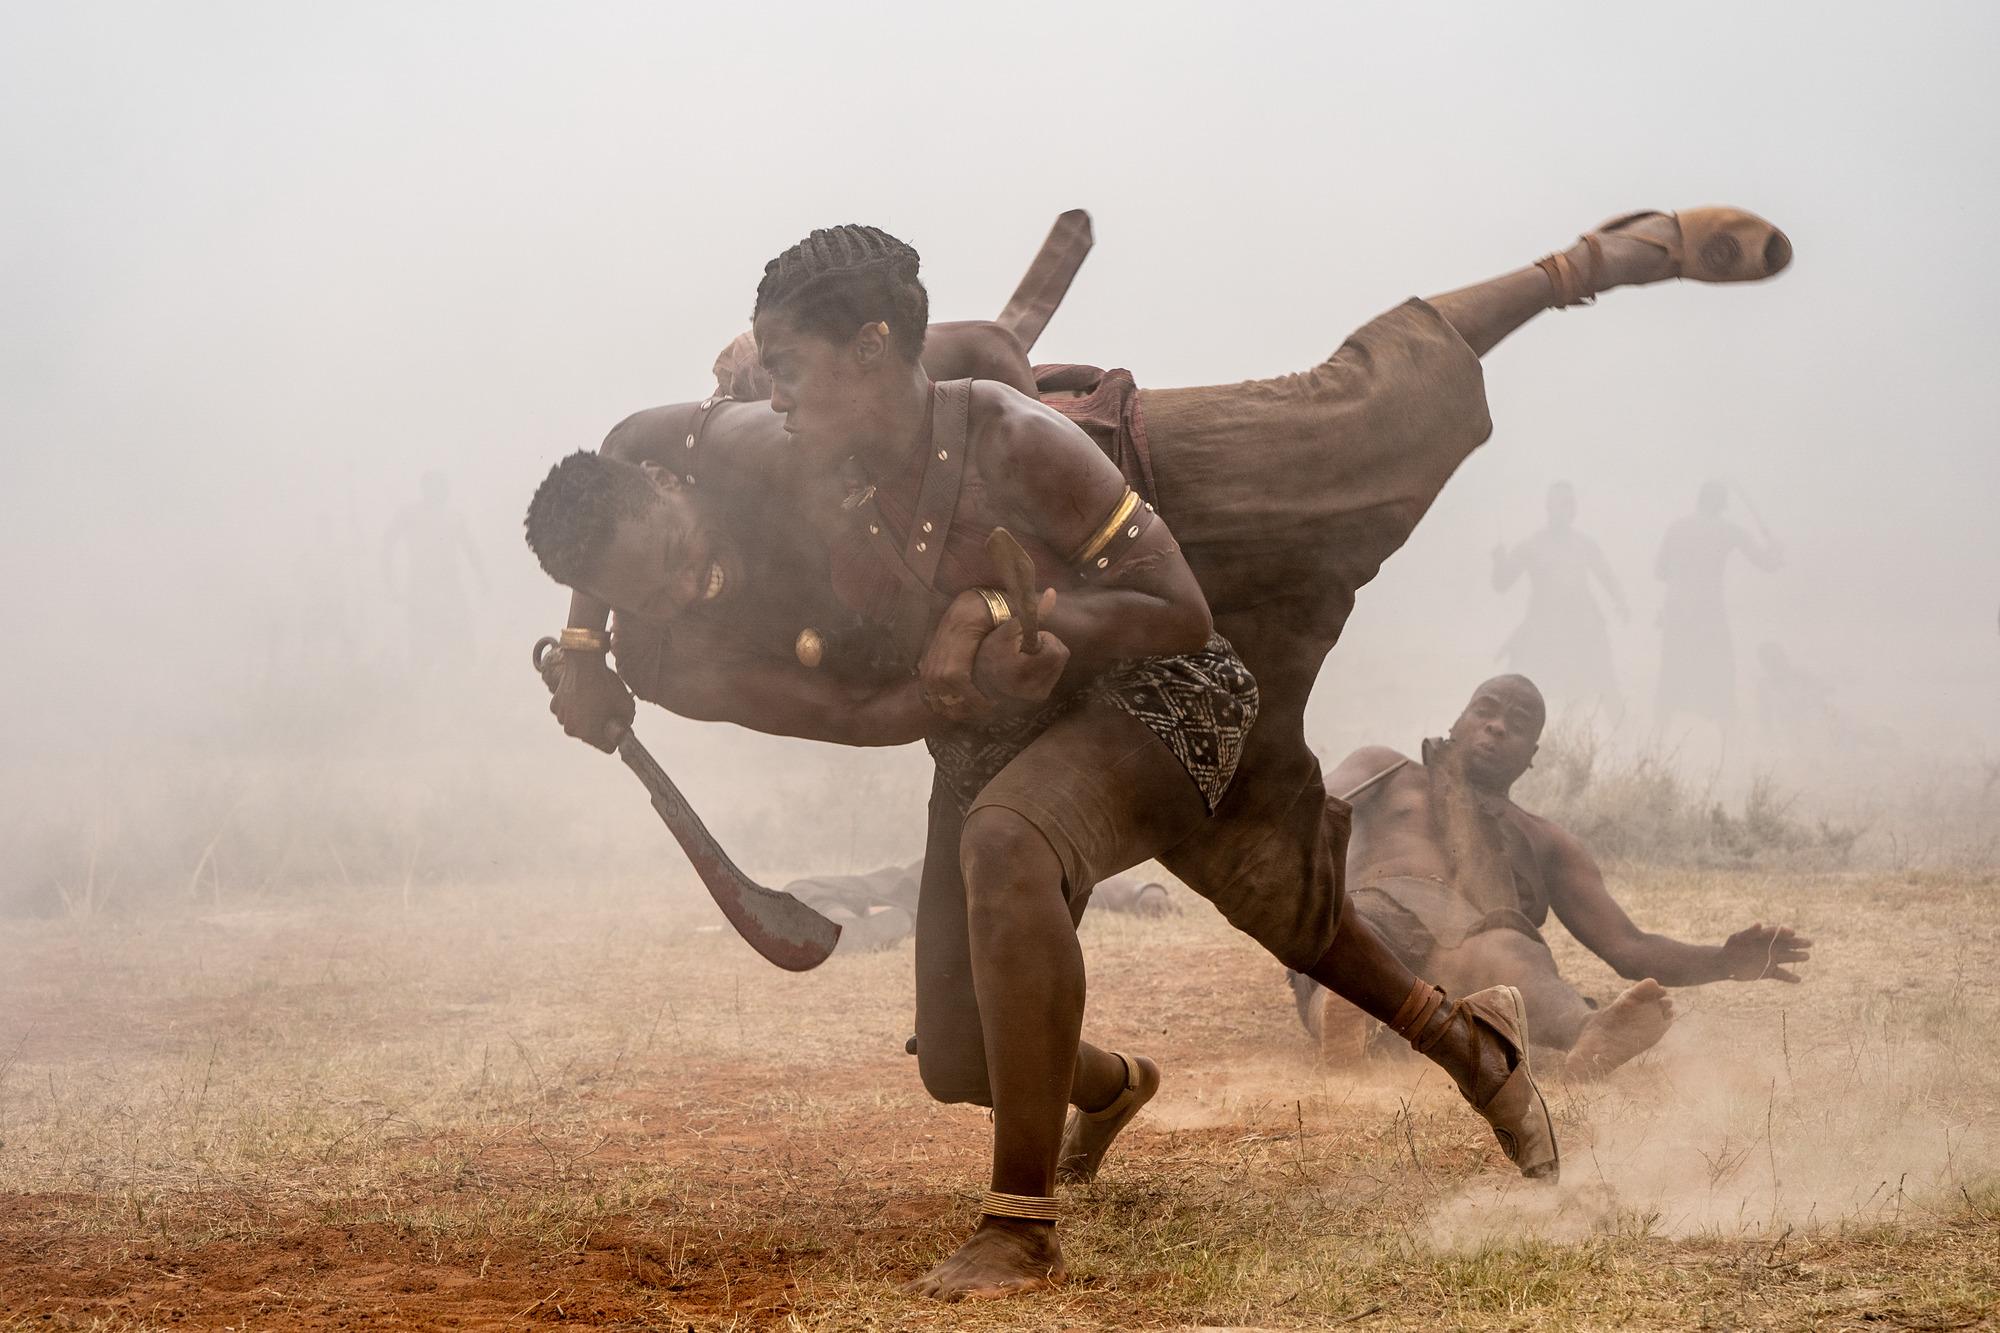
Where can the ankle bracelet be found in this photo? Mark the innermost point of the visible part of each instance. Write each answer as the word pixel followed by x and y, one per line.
pixel 1025 1207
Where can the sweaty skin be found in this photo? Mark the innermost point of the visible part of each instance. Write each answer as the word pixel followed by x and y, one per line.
pixel 1397 832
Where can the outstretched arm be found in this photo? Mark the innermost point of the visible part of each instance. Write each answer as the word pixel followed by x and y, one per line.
pixel 1763 552
pixel 1507 565
pixel 1581 902
pixel 794 701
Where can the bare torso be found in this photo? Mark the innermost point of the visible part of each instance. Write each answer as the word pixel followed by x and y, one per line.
pixel 781 521
pixel 1395 831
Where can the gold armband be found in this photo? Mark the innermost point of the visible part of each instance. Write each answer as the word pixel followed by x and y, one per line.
pixel 577 639
pixel 996 605
pixel 1129 520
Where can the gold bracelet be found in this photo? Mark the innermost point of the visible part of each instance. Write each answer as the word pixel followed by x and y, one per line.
pixel 996 605
pixel 577 639
pixel 1119 513
pixel 1027 1207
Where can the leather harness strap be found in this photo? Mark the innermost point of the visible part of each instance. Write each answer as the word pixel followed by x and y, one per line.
pixel 944 473
pixel 915 559
pixel 696 420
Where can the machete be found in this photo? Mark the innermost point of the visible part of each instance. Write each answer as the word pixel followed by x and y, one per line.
pixel 1017 585
pixel 775 924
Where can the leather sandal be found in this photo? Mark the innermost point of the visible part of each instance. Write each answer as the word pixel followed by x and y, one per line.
pixel 1088 1134
pixel 1516 1111
pixel 1714 244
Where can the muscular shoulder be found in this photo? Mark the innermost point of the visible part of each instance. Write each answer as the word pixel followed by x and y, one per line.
pixel 1040 460
pixel 1362 766
pixel 1374 757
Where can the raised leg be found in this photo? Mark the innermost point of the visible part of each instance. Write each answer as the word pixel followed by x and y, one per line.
pixel 1720 245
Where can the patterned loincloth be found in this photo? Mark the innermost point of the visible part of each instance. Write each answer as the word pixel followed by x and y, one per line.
pixel 1201 705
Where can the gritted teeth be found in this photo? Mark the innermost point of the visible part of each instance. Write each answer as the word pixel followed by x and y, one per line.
pixel 715 581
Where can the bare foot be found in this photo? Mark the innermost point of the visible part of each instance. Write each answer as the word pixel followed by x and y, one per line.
pixel 1088 1134
pixel 1004 1257
pixel 1628 1025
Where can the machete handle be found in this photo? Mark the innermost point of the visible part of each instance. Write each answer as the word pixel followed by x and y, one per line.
pixel 1017 575
pixel 547 657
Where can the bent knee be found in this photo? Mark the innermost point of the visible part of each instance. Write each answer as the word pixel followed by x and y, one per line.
pixel 1000 851
pixel 954 1081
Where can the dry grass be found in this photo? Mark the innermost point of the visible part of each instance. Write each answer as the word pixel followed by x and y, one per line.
pixel 498 1106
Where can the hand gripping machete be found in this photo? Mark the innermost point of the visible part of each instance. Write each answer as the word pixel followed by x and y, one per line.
pixel 775 924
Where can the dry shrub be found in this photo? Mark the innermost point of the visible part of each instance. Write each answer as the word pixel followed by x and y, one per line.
pixel 1639 806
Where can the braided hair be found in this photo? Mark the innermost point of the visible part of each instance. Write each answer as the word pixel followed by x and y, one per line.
pixel 571 518
pixel 839 278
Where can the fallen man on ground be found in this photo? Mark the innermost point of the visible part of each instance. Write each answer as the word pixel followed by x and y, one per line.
pixel 821 578
pixel 1459 881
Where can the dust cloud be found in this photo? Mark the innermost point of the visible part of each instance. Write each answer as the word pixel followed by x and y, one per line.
pixel 1713 1136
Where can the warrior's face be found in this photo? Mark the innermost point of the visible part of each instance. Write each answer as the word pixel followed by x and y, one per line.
pixel 1499 731
pixel 664 562
pixel 830 393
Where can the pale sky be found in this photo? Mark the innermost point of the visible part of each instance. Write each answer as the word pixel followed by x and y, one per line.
pixel 265 264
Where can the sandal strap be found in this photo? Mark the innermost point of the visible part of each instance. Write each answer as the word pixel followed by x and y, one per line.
pixel 1569 287
pixel 1124 1099
pixel 1675 250
pixel 1026 1207
pixel 1424 1000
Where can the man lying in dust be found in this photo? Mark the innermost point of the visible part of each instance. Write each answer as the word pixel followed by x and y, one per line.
pixel 1458 881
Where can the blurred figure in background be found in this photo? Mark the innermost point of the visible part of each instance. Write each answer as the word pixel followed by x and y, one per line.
pixel 1562 641
pixel 1697 652
pixel 1794 706
pixel 435 550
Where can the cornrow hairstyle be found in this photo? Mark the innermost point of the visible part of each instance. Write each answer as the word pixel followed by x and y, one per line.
pixel 575 508
pixel 839 278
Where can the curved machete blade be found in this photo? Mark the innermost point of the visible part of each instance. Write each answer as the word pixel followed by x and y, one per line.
pixel 775 924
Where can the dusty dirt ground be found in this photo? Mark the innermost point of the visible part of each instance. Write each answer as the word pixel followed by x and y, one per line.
pixel 501 1106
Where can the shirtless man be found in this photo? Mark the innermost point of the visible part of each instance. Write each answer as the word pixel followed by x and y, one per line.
pixel 1285 496
pixel 1459 881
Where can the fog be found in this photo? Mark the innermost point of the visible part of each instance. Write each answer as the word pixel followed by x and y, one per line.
pixel 266 267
